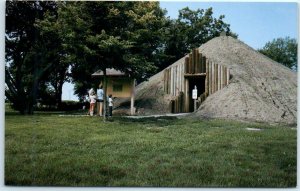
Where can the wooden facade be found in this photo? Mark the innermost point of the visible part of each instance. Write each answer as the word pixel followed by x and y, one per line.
pixel 196 70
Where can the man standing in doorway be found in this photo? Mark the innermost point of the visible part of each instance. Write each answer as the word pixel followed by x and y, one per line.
pixel 100 94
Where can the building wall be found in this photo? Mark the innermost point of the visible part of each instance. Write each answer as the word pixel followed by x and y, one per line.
pixel 114 84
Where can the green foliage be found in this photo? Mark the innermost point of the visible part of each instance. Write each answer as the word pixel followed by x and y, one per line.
pixel 47 150
pixel 282 50
pixel 26 52
pixel 191 30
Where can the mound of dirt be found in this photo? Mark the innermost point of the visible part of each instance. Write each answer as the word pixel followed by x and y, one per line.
pixel 259 89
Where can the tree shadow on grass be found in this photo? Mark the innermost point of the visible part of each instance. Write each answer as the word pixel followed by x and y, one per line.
pixel 154 121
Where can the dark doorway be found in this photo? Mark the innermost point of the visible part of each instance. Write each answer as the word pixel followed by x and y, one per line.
pixel 199 82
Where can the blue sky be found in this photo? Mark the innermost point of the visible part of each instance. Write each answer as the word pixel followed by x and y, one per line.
pixel 256 23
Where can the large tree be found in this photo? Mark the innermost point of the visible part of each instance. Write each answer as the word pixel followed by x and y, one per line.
pixel 282 50
pixel 26 55
pixel 119 35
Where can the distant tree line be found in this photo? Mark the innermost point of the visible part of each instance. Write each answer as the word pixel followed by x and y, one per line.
pixel 282 50
pixel 49 43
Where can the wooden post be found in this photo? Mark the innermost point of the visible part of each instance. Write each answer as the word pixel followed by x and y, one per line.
pixel 193 61
pixel 209 78
pixel 169 81
pixel 132 108
pixel 190 63
pixel 187 94
pixel 216 77
pixel 187 65
pixel 206 78
pixel 219 77
pixel 227 73
pixel 203 58
pixel 165 81
pixel 104 95
pixel 200 65
pixel 175 80
pixel 222 77
pixel 212 77
pixel 179 77
pixel 198 61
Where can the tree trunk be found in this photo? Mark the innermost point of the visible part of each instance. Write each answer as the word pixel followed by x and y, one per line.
pixel 105 96
pixel 58 93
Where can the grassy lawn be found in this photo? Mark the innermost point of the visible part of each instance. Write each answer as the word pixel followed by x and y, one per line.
pixel 48 150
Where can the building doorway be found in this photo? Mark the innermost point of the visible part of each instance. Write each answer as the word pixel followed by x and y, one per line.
pixel 191 82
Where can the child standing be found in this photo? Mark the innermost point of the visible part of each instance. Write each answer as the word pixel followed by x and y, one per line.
pixel 110 105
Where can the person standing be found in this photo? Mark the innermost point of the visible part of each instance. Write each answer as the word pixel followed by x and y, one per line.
pixel 100 94
pixel 91 92
pixel 93 98
pixel 110 105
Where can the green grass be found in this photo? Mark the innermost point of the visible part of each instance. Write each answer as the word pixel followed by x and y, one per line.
pixel 47 150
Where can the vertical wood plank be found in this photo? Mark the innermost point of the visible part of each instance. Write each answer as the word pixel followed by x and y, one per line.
pixel 228 75
pixel 225 76
pixel 172 81
pixel 213 78
pixel 169 81
pixel 200 65
pixel 216 73
pixel 203 58
pixel 219 77
pixel 186 99
pixel 177 80
pixel 193 61
pixel 186 65
pixel 132 109
pixel 164 81
pixel 222 77
pixel 179 75
pixel 182 82
pixel 196 59
pixel 206 79
pixel 209 79
pixel 190 63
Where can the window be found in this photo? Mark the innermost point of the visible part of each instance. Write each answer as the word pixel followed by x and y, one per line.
pixel 117 87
